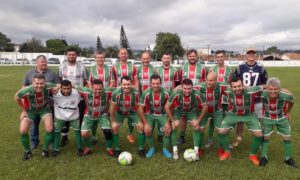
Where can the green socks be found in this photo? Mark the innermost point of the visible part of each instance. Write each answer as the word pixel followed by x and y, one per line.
pixel 264 149
pixel 25 142
pixel 174 138
pixel 78 139
pixel 150 141
pixel 141 140
pixel 224 142
pixel 166 141
pixel 287 149
pixel 47 140
pixel 56 143
pixel 257 141
pixel 116 141
pixel 211 129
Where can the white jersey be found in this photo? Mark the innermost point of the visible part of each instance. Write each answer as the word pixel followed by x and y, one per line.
pixel 66 107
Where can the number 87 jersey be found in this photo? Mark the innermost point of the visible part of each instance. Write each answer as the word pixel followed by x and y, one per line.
pixel 254 75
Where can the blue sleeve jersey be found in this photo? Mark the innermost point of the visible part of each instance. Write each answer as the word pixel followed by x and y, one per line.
pixel 254 75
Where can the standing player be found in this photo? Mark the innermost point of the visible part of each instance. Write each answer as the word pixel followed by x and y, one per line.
pixel 75 72
pixel 120 69
pixel 96 112
pixel 33 101
pixel 102 72
pixel 66 110
pixel 196 72
pixel 124 104
pixel 277 106
pixel 186 102
pixel 251 73
pixel 241 109
pixel 50 76
pixel 224 75
pixel 151 111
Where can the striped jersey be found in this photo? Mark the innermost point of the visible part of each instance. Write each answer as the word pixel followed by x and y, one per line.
pixel 102 74
pixel 119 70
pixel 125 104
pixel 195 72
pixel 154 103
pixel 223 74
pixel 276 109
pixel 144 74
pixel 169 77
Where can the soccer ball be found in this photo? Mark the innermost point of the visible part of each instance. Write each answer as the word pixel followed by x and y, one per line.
pixel 125 158
pixel 190 155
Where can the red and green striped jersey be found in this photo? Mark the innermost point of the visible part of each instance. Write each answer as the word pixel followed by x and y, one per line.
pixel 95 106
pixel 154 102
pixel 102 74
pixel 243 104
pixel 144 74
pixel 276 109
pixel 184 103
pixel 195 72
pixel 35 101
pixel 168 76
pixel 125 104
pixel 119 70
pixel 213 96
pixel 224 74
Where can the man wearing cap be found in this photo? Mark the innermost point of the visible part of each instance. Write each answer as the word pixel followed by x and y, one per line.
pixel 251 73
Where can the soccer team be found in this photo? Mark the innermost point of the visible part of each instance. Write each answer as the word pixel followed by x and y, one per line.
pixel 145 96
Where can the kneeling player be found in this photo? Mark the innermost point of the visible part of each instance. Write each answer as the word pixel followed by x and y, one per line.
pixel 124 104
pixel 277 105
pixel 66 110
pixel 151 110
pixel 184 103
pixel 35 97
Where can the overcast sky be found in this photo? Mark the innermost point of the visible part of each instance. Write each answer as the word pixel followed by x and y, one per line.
pixel 231 24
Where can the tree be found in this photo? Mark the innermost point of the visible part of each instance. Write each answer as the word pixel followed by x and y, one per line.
pixel 32 45
pixel 88 52
pixel 112 51
pixel 124 42
pixel 5 43
pixel 99 46
pixel 168 42
pixel 273 50
pixel 56 46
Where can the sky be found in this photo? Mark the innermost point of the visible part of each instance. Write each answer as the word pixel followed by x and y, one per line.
pixel 230 25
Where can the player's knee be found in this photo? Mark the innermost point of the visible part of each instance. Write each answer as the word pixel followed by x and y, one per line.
pixel 107 133
pixel 85 134
pixel 258 133
pixel 286 138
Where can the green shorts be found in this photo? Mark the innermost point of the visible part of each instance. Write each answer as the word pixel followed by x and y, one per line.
pixel 34 115
pixel 217 118
pixel 60 124
pixel 189 115
pixel 88 123
pixel 133 119
pixel 283 126
pixel 251 121
pixel 161 121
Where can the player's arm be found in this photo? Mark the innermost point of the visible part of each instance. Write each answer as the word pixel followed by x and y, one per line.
pixel 19 101
pixel 136 85
pixel 168 110
pixel 203 113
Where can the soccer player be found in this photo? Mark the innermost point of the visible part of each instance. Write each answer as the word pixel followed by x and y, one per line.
pixel 124 104
pixel 251 73
pixel 66 109
pixel 224 75
pixel 213 92
pixel 196 72
pixel 120 69
pixel 102 72
pixel 186 102
pixel 96 112
pixel 277 106
pixel 50 76
pixel 151 111
pixel 33 101
pixel 75 72
pixel 241 109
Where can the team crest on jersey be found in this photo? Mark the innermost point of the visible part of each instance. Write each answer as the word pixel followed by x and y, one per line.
pixel 145 74
pixel 272 106
pixel 127 102
pixel 156 102
pixel 239 101
pixel 221 75
pixel 209 95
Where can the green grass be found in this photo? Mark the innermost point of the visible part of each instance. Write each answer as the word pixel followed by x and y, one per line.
pixel 100 166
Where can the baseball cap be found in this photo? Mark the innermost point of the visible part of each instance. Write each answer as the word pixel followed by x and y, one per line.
pixel 251 49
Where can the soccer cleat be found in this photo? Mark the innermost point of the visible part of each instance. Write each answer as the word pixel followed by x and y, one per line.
pixel 253 158
pixel 117 153
pixel 180 141
pixel 79 152
pixel 237 142
pixel 225 156
pixel 291 162
pixel 64 141
pixel 45 154
pixel 201 153
pixel 159 138
pixel 26 156
pixel 94 141
pixel 220 151
pixel 141 153
pixel 86 151
pixel 110 152
pixel 55 153
pixel 130 138
pixel 166 153
pixel 263 161
pixel 175 155
pixel 209 144
pixel 150 152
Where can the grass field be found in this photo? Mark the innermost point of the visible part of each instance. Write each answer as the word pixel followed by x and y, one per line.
pixel 100 166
